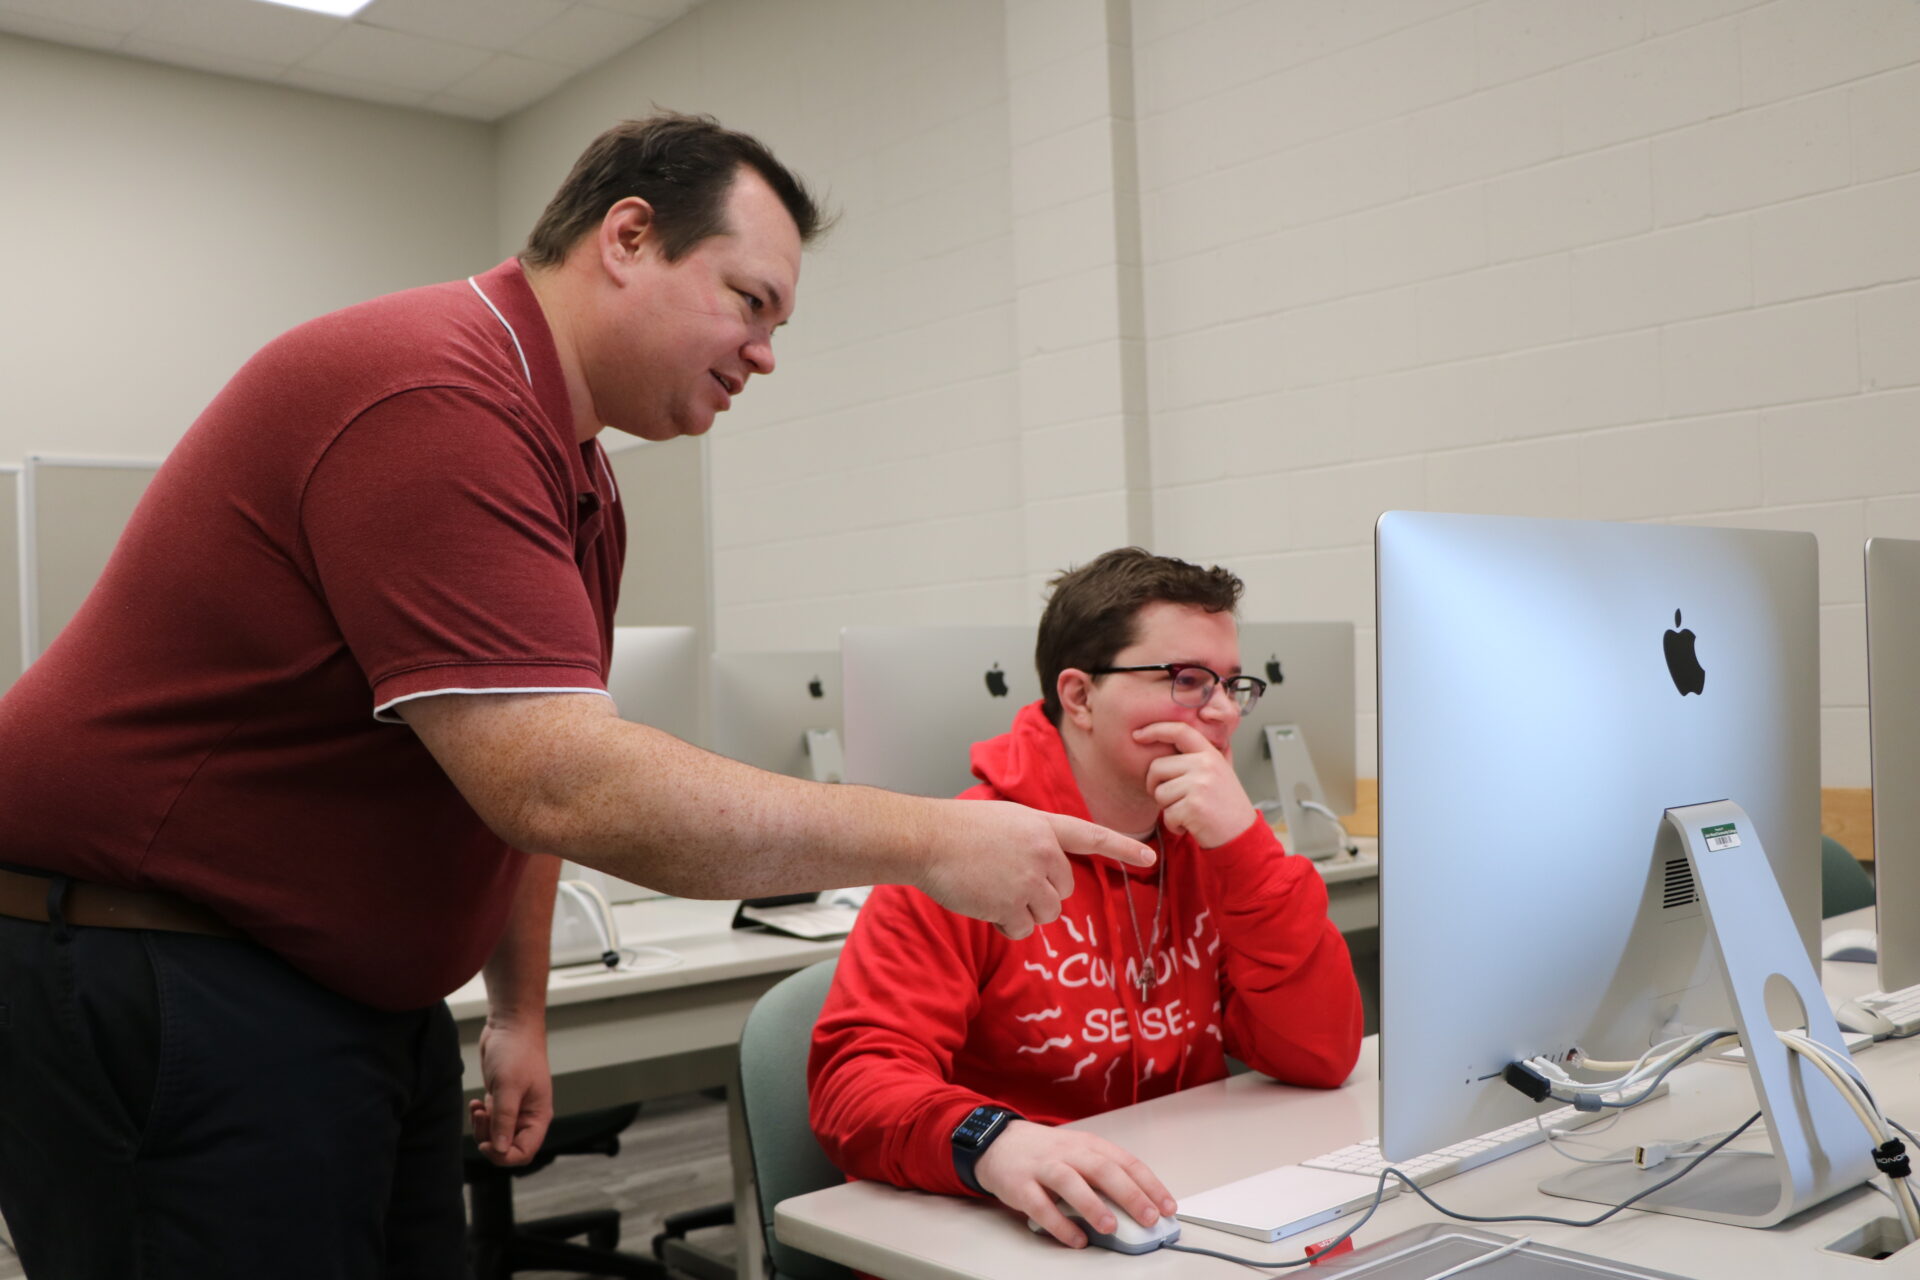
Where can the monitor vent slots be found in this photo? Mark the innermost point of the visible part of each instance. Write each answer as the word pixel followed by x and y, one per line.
pixel 1680 891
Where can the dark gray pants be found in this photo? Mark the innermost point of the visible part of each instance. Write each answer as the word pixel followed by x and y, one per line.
pixel 181 1107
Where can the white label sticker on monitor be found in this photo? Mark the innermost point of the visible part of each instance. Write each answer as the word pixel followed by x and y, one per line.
pixel 1721 837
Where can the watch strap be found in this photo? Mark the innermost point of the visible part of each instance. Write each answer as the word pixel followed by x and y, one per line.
pixel 971 1138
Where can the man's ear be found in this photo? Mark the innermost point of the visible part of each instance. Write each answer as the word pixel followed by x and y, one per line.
pixel 626 233
pixel 1075 690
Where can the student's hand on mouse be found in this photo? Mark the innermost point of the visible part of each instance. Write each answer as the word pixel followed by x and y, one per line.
pixel 1030 1164
pixel 1006 864
pixel 1196 787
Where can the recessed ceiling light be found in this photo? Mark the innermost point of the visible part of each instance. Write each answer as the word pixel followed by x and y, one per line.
pixel 332 8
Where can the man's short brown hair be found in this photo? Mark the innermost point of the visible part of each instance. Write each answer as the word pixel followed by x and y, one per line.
pixel 683 166
pixel 1094 610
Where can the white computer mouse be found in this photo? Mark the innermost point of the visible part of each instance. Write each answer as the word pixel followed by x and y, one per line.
pixel 1854 1016
pixel 1859 945
pixel 1127 1235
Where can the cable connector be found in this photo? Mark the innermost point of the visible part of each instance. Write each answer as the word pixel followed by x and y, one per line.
pixel 1528 1081
pixel 1890 1158
pixel 1651 1155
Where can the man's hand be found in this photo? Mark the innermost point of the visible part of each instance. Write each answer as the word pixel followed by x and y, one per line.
pixel 511 1121
pixel 1006 864
pixel 1030 1164
pixel 1196 787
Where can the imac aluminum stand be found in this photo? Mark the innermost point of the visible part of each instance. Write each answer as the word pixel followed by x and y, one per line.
pixel 825 760
pixel 1312 832
pixel 1819 1148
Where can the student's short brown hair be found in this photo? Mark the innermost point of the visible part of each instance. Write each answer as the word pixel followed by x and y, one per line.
pixel 1094 610
pixel 683 166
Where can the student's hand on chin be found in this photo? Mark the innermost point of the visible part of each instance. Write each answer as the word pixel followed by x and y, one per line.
pixel 1196 787
pixel 1030 1164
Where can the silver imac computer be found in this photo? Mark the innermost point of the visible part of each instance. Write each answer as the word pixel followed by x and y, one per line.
pixel 1893 702
pixel 1304 723
pixel 916 699
pixel 1599 829
pixel 780 712
pixel 655 680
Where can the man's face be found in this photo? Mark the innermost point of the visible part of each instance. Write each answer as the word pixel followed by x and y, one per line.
pixel 1126 701
pixel 675 342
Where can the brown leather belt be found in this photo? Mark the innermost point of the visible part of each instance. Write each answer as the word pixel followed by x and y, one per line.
pixel 105 906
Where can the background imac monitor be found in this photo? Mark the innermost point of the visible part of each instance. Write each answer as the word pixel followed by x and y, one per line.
pixel 764 704
pixel 916 699
pixel 1308 667
pixel 1547 690
pixel 1893 683
pixel 655 680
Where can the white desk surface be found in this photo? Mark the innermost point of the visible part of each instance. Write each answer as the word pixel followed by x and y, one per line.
pixel 699 932
pixel 1203 1137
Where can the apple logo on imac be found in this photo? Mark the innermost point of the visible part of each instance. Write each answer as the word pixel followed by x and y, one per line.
pixel 997 681
pixel 1273 670
pixel 815 689
pixel 1688 675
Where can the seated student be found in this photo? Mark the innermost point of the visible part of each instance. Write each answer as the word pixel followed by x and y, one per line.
pixel 1148 979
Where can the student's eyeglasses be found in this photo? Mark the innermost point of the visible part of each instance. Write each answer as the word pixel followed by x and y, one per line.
pixel 1192 684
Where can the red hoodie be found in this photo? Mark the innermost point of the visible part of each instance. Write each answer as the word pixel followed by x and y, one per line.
pixel 932 1014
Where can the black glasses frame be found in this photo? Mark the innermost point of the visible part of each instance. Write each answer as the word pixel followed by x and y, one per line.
pixel 1245 691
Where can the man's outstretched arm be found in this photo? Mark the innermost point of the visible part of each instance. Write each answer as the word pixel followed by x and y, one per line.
pixel 562 774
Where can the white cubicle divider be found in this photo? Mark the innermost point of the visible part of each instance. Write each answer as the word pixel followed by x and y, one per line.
pixel 71 513
pixel 12 634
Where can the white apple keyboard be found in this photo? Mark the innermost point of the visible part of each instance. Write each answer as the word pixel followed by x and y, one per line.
pixel 1901 1009
pixel 1364 1157
pixel 1279 1202
pixel 814 921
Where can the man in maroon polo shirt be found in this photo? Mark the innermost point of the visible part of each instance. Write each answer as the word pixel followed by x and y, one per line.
pixel 262 802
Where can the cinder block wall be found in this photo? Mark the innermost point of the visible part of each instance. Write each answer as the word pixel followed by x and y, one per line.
pixel 1607 259
pixel 1232 278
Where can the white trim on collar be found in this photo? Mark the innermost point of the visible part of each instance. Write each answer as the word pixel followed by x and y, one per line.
pixel 517 350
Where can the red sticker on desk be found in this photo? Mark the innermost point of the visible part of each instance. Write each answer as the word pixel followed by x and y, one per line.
pixel 1319 1253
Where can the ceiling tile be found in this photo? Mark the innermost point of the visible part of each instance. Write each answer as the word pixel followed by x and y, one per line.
pixel 452 106
pixel 486 24
pixel 584 36
pixel 343 87
pixel 360 52
pixel 509 82
pixel 184 55
pixel 23 24
pixel 268 33
pixel 122 16
pixel 661 11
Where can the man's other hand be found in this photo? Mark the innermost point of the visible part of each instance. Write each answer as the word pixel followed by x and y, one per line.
pixel 510 1120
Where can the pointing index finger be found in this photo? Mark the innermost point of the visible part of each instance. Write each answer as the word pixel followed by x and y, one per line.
pixel 1089 838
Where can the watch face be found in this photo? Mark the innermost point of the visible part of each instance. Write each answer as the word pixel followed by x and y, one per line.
pixel 980 1122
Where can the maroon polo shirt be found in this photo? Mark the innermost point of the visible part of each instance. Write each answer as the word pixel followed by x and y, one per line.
pixel 383 504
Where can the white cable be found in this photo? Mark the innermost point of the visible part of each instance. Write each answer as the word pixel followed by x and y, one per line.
pixel 1646 1065
pixel 1857 1096
pixel 1505 1249
pixel 1840 1071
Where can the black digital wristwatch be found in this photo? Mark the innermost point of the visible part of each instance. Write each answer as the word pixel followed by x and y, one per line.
pixel 973 1135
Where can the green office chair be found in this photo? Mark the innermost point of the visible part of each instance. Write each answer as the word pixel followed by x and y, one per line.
pixel 787 1159
pixel 1844 884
